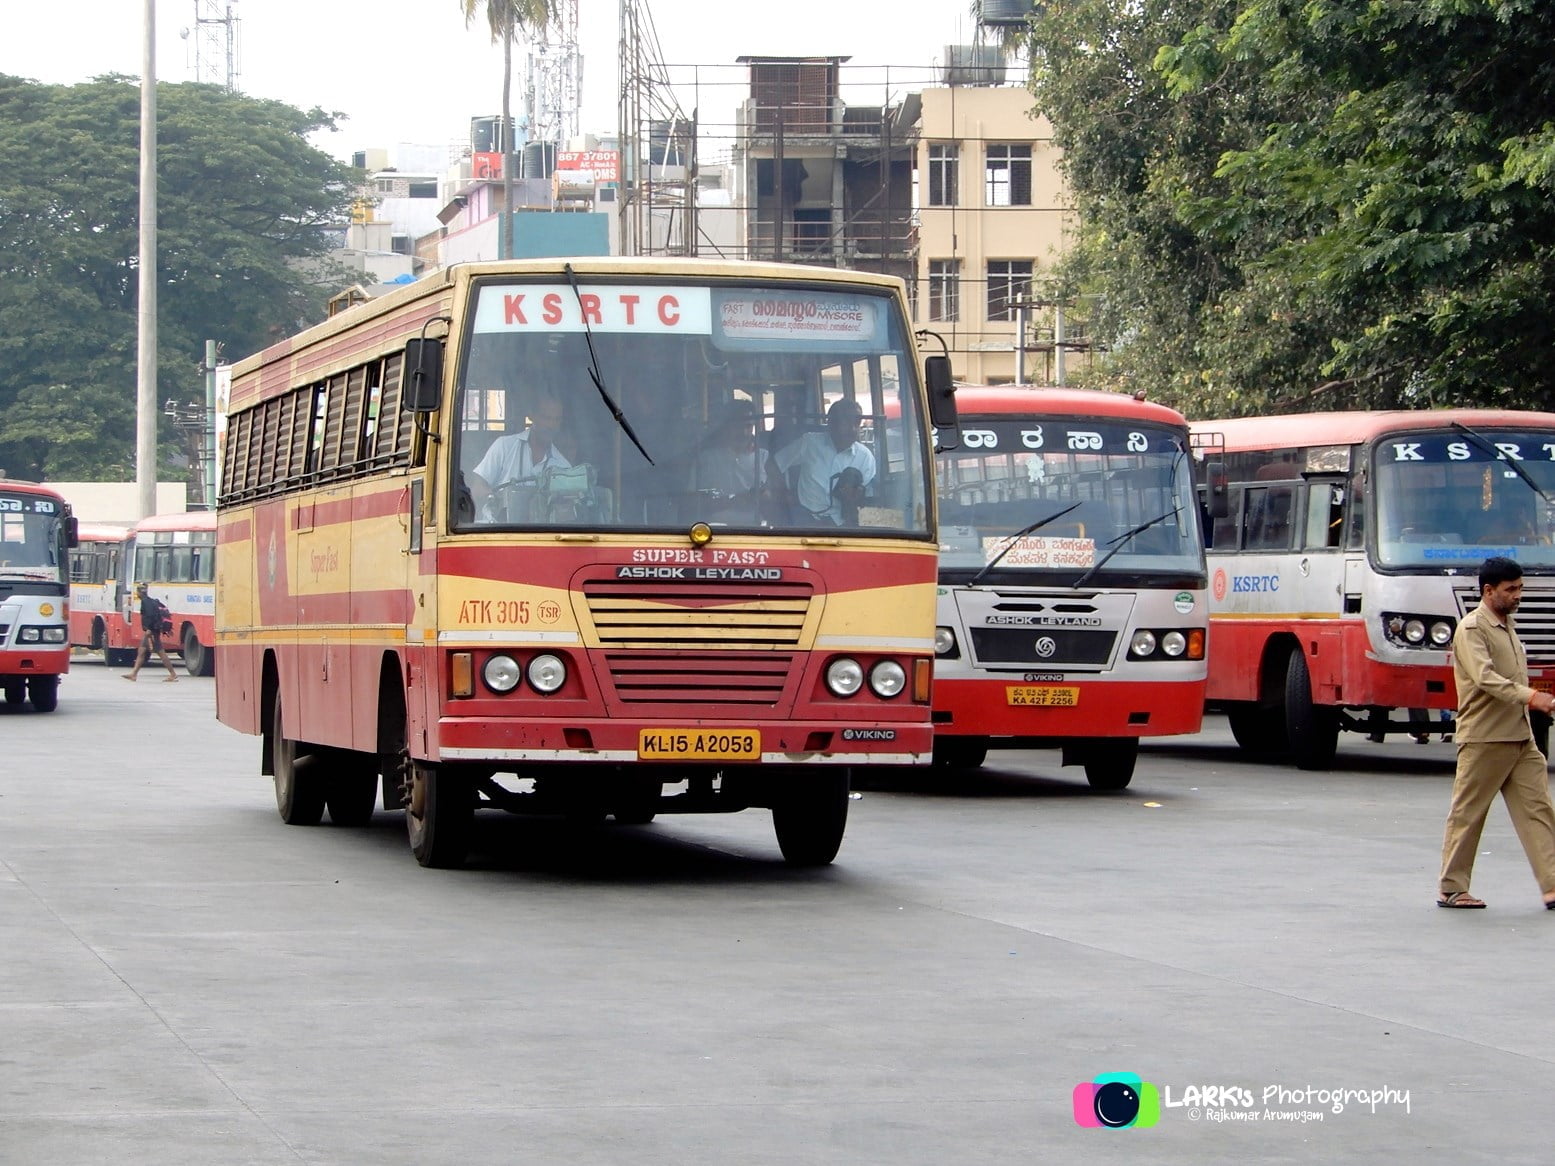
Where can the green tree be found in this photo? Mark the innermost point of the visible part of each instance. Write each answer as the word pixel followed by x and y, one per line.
pixel 243 203
pixel 506 19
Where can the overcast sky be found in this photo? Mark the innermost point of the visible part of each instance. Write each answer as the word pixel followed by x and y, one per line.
pixel 407 71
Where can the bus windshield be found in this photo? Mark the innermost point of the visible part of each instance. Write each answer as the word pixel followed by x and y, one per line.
pixel 29 538
pixel 1446 500
pixel 1081 486
pixel 655 404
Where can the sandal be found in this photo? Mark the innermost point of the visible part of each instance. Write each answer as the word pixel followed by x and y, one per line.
pixel 1463 899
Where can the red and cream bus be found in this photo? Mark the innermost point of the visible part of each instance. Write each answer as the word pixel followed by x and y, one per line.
pixel 175 554
pixel 1072 607
pixel 36 534
pixel 96 592
pixel 1350 549
pixel 473 538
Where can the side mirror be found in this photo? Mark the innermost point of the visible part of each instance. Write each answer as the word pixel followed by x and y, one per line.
pixel 423 375
pixel 942 402
pixel 72 532
pixel 1217 489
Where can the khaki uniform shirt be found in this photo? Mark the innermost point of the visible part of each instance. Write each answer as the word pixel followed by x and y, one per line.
pixel 1491 672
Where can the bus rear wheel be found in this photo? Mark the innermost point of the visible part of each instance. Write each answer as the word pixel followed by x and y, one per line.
pixel 44 692
pixel 439 815
pixel 1109 763
pixel 299 792
pixel 352 791
pixel 810 815
pixel 1313 729
pixel 198 659
pixel 960 752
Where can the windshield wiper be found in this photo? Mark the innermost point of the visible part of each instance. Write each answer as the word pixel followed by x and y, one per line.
pixel 1122 541
pixel 1016 537
pixel 1489 447
pixel 594 375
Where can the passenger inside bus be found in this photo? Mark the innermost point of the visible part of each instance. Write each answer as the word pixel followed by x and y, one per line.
pixel 733 470
pixel 828 473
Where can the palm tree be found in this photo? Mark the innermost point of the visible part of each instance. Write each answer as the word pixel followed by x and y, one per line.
pixel 506 18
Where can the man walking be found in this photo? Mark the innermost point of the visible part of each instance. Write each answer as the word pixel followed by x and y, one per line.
pixel 1496 753
pixel 153 615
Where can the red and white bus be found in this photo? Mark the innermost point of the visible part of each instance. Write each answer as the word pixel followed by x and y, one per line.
pixel 480 536
pixel 1350 549
pixel 1072 607
pixel 96 587
pixel 175 554
pixel 36 534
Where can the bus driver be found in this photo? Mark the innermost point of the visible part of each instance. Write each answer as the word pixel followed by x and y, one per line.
pixel 520 457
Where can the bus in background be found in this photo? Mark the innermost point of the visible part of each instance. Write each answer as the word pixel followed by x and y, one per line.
pixel 1072 608
pixel 96 574
pixel 1350 549
pixel 176 555
pixel 36 534
pixel 599 537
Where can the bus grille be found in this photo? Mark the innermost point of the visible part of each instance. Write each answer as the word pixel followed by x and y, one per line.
pixel 750 678
pixel 1024 646
pixel 769 615
pixel 1535 620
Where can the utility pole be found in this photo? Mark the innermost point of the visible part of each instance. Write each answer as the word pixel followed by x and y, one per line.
pixel 146 321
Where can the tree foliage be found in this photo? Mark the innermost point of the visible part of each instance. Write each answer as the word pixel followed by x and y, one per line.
pixel 242 203
pixel 1323 204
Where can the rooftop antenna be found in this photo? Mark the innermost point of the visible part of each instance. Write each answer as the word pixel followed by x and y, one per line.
pixel 215 36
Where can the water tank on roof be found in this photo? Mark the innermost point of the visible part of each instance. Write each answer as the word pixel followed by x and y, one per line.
pixel 486 134
pixel 1006 12
pixel 973 65
pixel 538 161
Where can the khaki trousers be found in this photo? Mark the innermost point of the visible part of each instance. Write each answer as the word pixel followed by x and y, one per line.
pixel 1517 771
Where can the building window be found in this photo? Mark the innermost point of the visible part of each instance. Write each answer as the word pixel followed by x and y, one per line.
pixel 1008 280
pixel 944 289
pixel 1007 175
pixel 942 174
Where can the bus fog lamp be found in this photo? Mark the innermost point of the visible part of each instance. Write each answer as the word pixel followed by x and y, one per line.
pixel 1441 634
pixel 547 673
pixel 887 679
pixel 501 673
pixel 1174 643
pixel 844 677
pixel 944 641
pixel 1414 631
pixel 1142 644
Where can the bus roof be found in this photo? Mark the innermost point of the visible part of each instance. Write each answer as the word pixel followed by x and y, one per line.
pixel 17 486
pixel 1026 400
pixel 189 520
pixel 101 532
pixel 1296 430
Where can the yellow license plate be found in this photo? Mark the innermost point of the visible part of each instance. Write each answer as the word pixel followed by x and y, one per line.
pixel 699 744
pixel 1042 696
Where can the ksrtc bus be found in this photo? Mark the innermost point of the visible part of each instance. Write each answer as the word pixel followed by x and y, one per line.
pixel 1072 608
pixel 175 555
pixel 1350 548
pixel 96 592
pixel 37 531
pixel 599 537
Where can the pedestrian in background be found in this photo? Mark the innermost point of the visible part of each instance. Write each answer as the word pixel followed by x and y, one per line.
pixel 154 619
pixel 1496 753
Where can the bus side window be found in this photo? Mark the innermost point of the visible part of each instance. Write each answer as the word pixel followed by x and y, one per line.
pixel 1229 527
pixel 1268 518
pixel 1325 515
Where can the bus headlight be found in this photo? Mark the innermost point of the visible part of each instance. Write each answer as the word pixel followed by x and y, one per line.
pixel 1414 631
pixel 53 635
pixel 1142 643
pixel 29 635
pixel 547 673
pixel 887 678
pixel 501 673
pixel 1441 634
pixel 944 642
pixel 844 677
pixel 1174 643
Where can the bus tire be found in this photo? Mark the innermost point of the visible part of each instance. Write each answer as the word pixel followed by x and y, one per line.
pixel 439 815
pixel 299 791
pixel 198 659
pixel 960 752
pixel 1312 729
pixel 636 803
pixel 15 690
pixel 810 814
pixel 1109 763
pixel 1254 728
pixel 352 792
pixel 44 692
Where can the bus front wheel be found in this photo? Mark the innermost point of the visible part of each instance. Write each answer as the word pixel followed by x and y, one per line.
pixel 352 793
pixel 439 815
pixel 15 690
pixel 810 814
pixel 1312 729
pixel 44 691
pixel 299 791
pixel 1255 729
pixel 1109 763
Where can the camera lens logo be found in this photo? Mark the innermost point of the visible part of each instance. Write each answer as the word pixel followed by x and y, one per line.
pixel 1116 1101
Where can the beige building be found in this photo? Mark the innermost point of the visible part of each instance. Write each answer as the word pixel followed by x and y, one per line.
pixel 992 219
